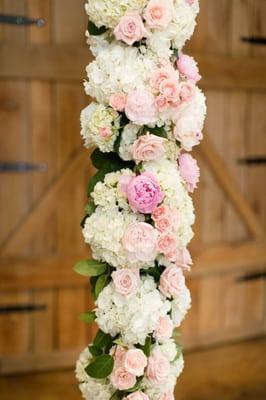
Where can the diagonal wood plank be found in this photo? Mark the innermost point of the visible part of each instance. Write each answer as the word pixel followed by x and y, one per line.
pixel 230 187
pixel 25 230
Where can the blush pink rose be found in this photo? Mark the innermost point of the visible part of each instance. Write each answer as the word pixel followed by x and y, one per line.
pixel 167 245
pixel 118 352
pixel 130 29
pixel 126 281
pixel 163 329
pixel 161 74
pixel 118 101
pixel 186 91
pixel 140 242
pixel 147 148
pixel 188 67
pixel 189 171
pixel 135 362
pixel 167 396
pixel 158 368
pixel 140 107
pixel 158 13
pixel 165 218
pixel 121 379
pixel 144 193
pixel 170 90
pixel 105 132
pixel 161 103
pixel 172 282
pixel 137 396
pixel 183 259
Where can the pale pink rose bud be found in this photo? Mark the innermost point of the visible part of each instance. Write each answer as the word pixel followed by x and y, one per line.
pixel 163 329
pixel 189 171
pixel 167 396
pixel 137 396
pixel 172 282
pixel 121 379
pixel 105 132
pixel 169 89
pixel 126 281
pixel 158 368
pixel 140 107
pixel 183 259
pixel 135 362
pixel 118 352
pixel 186 91
pixel 140 242
pixel 188 68
pixel 147 148
pixel 144 193
pixel 167 245
pixel 130 29
pixel 158 13
pixel 118 101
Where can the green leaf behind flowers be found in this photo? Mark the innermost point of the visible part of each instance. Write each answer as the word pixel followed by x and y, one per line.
pixel 88 317
pixel 158 131
pixel 101 367
pixel 94 30
pixel 90 267
pixel 101 282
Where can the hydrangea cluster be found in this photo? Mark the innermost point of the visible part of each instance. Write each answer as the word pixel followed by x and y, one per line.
pixel 147 116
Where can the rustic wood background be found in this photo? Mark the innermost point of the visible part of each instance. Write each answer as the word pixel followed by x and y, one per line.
pixel 41 96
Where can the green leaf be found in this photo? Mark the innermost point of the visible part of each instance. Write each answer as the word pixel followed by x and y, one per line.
pixel 102 340
pixel 94 30
pixel 101 367
pixel 147 346
pixel 95 351
pixel 90 208
pixel 158 131
pixel 88 317
pixel 155 272
pixel 176 333
pixel 102 281
pixel 119 342
pixel 82 222
pixel 90 267
pixel 117 395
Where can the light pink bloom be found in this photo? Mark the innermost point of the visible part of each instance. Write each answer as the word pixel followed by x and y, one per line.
pixel 164 328
pixel 135 362
pixel 168 395
pixel 172 282
pixel 190 2
pixel 121 379
pixel 140 242
pixel 147 148
pixel 188 68
pixel 167 245
pixel 186 91
pixel 158 368
pixel 140 107
pixel 118 101
pixel 105 132
pixel 161 103
pixel 165 218
pixel 188 138
pixel 137 396
pixel 170 90
pixel 183 259
pixel 189 171
pixel 144 193
pixel 130 29
pixel 126 281
pixel 118 352
pixel 158 13
pixel 161 74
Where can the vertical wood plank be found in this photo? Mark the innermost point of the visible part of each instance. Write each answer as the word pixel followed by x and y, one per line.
pixel 43 336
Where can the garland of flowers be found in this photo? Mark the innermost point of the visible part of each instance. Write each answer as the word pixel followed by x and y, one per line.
pixel 148 114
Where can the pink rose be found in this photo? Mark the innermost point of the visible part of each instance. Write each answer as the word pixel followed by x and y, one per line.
pixel 165 218
pixel 183 259
pixel 161 103
pixel 137 396
pixel 135 362
pixel 126 281
pixel 158 368
pixel 188 67
pixel 189 171
pixel 105 132
pixel 140 242
pixel 144 193
pixel 118 352
pixel 130 29
pixel 161 74
pixel 140 107
pixel 121 379
pixel 186 91
pixel 164 328
pixel 167 245
pixel 169 89
pixel 167 396
pixel 118 101
pixel 158 13
pixel 147 148
pixel 172 282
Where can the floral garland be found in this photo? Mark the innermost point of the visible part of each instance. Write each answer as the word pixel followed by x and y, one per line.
pixel 148 114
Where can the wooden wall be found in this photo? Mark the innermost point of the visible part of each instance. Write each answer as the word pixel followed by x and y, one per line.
pixel 41 96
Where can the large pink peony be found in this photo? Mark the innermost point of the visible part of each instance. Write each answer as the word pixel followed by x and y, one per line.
pixel 137 396
pixel 126 281
pixel 158 368
pixel 172 282
pixel 140 107
pixel 130 29
pixel 188 68
pixel 147 148
pixel 140 242
pixel 158 13
pixel 121 379
pixel 163 329
pixel 189 171
pixel 135 362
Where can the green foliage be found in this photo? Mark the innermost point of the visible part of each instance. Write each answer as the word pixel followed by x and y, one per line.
pixel 146 348
pixel 155 272
pixel 158 131
pixel 88 317
pixel 90 267
pixel 101 282
pixel 95 351
pixel 103 340
pixel 101 367
pixel 90 208
pixel 94 30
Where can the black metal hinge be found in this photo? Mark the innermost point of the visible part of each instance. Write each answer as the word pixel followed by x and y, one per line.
pixel 20 20
pixel 22 308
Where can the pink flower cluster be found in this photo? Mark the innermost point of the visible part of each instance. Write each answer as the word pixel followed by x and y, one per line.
pixel 147 148
pixel 189 171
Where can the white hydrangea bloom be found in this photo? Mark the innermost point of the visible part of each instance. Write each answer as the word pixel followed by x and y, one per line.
pixel 133 318
pixel 96 119
pixel 180 306
pixel 98 43
pixel 129 136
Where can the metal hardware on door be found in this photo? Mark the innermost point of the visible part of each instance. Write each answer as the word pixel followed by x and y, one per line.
pixel 20 20
pixel 255 40
pixel 22 308
pixel 251 277
pixel 21 166
pixel 253 160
